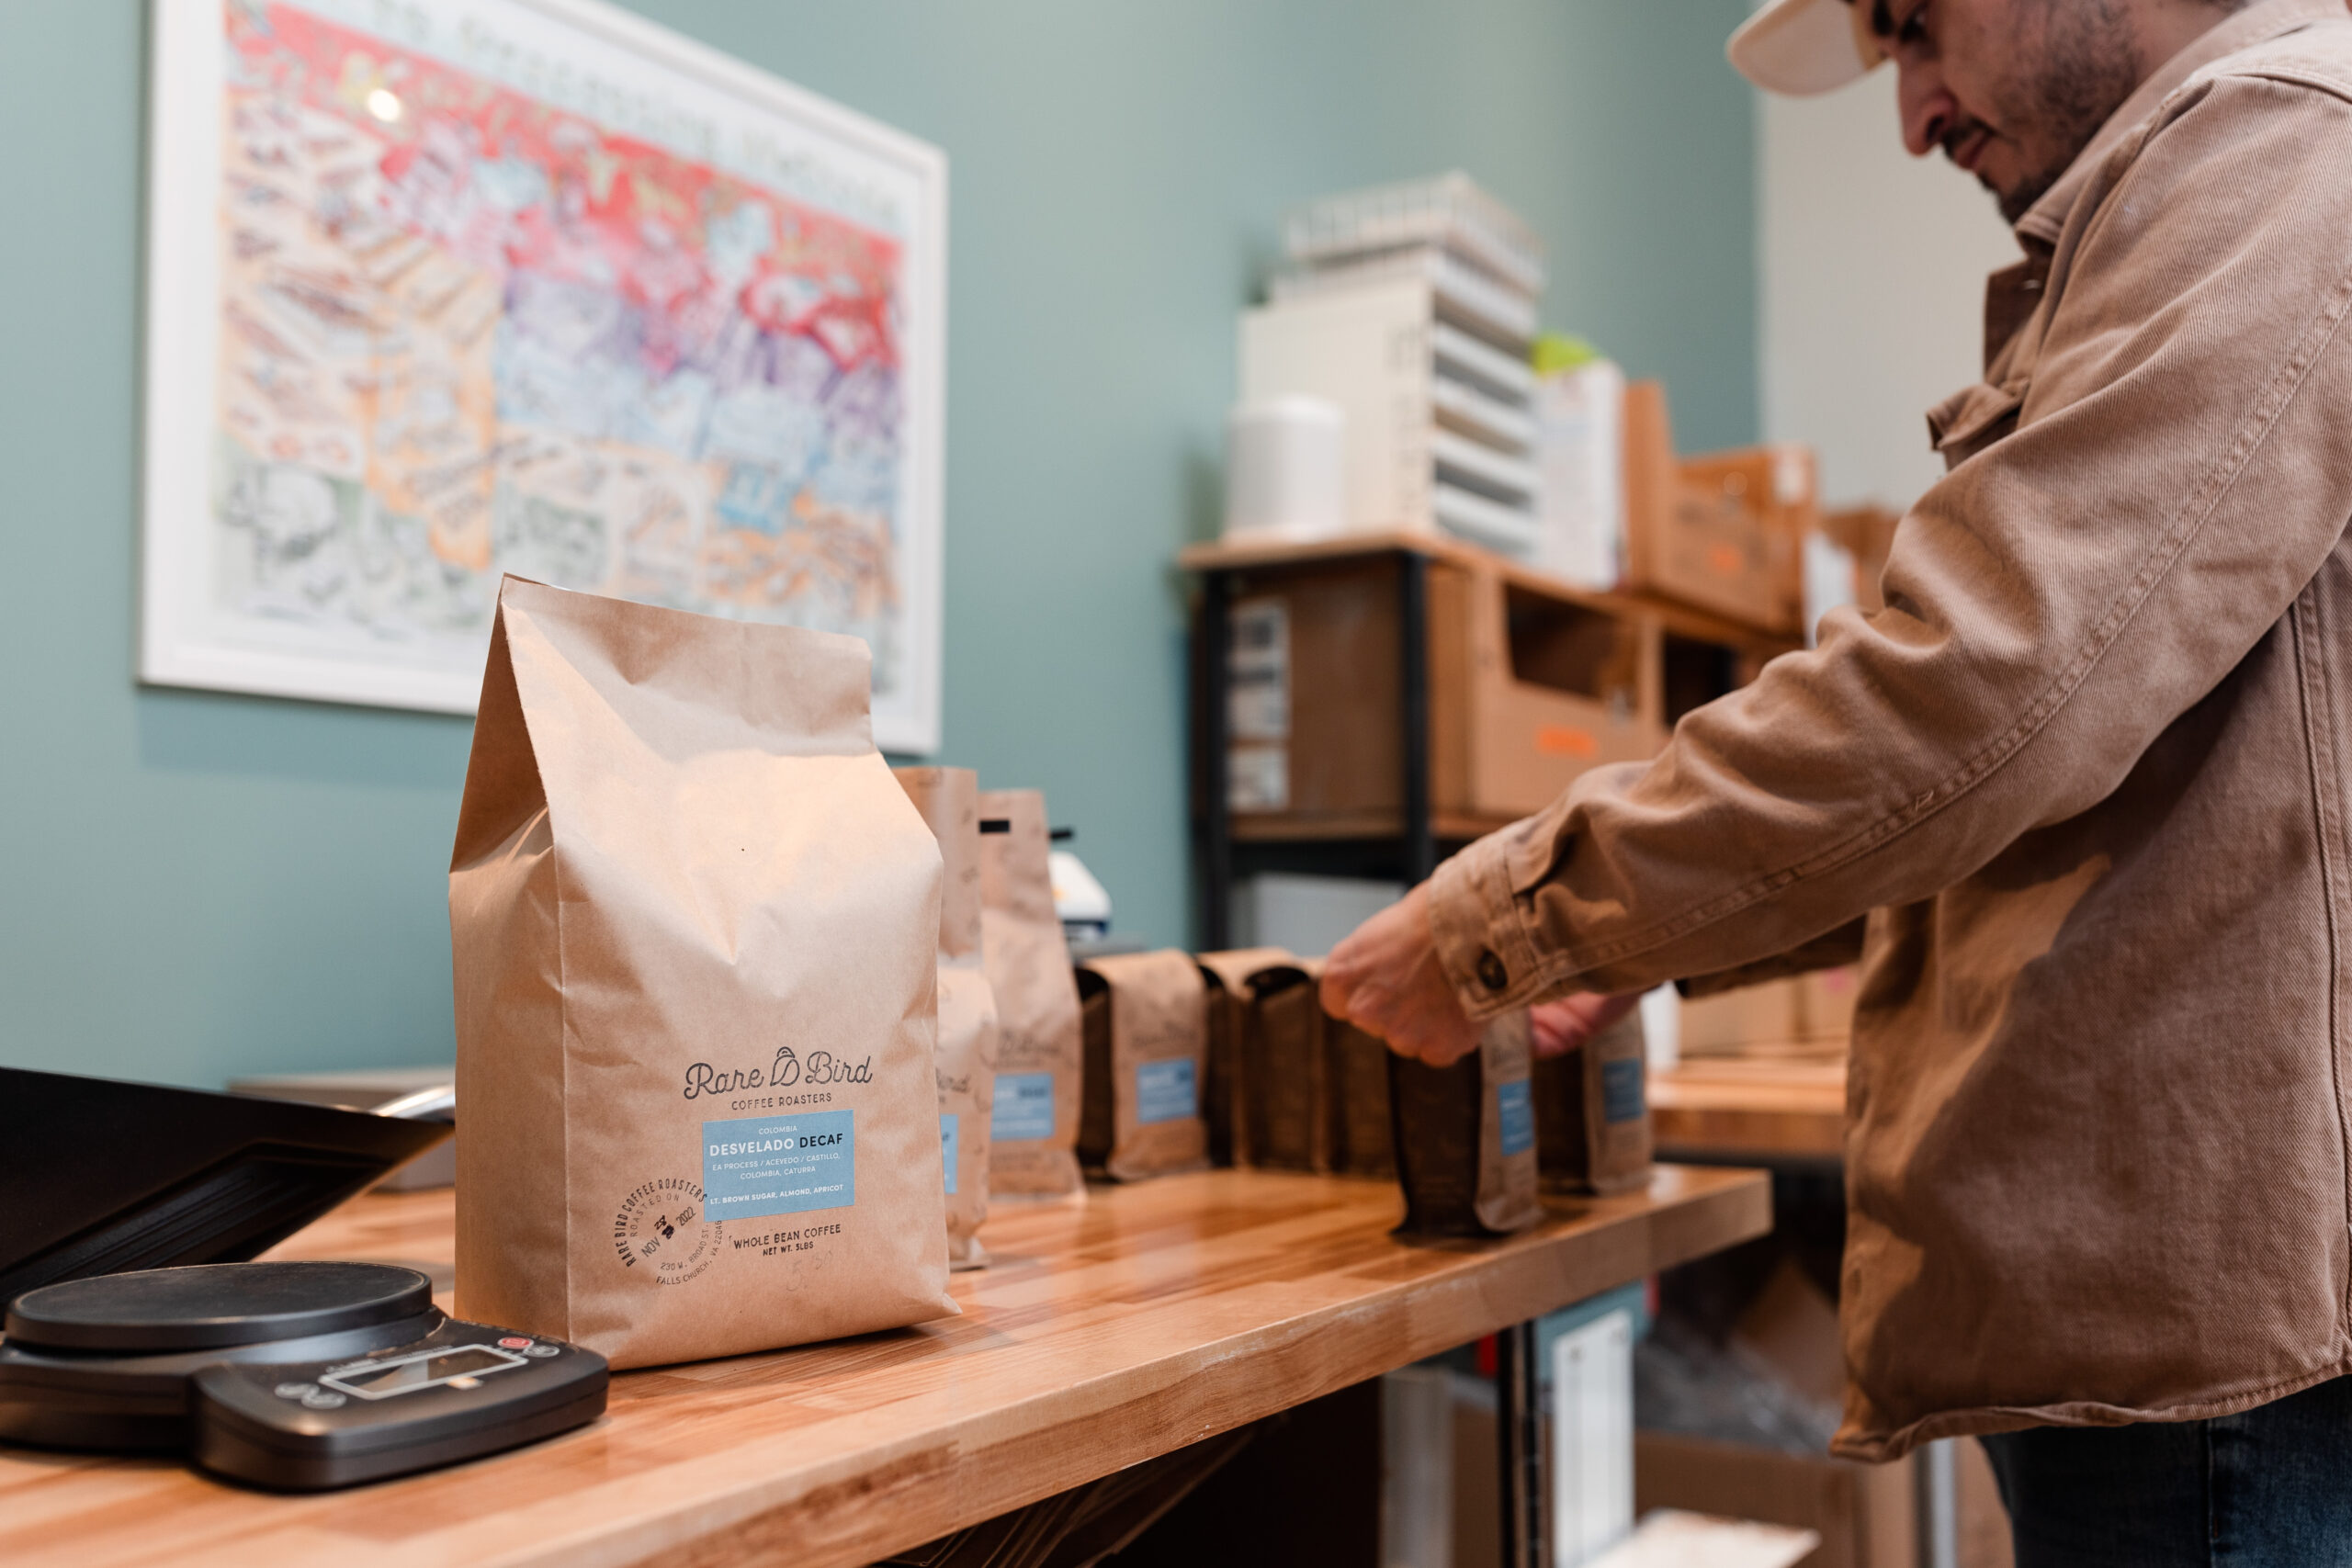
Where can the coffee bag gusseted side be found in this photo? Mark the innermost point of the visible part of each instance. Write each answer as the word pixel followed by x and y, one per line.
pixel 1362 1129
pixel 1033 1132
pixel 1592 1121
pixel 1358 1130
pixel 949 799
pixel 1465 1137
pixel 1226 1093
pixel 1147 1074
pixel 1282 1061
pixel 1098 1100
pixel 513 1257
pixel 693 930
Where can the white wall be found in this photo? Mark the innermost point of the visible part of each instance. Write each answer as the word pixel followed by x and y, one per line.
pixel 1872 270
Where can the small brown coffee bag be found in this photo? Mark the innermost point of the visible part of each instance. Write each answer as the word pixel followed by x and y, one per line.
pixel 1265 1021
pixel 1592 1118
pixel 949 799
pixel 1033 1132
pixel 1284 1064
pixel 693 924
pixel 1224 1095
pixel 1465 1137
pixel 1147 1040
pixel 1362 1129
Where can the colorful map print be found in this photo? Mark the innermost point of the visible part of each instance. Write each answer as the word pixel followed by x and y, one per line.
pixel 465 333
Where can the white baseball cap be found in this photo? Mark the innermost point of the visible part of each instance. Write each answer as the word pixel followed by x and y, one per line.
pixel 1803 47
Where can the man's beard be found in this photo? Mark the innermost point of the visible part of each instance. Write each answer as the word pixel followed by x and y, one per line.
pixel 2085 67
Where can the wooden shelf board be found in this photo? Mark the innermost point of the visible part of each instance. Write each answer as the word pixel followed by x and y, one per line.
pixel 1682 620
pixel 1459 826
pixel 1752 1107
pixel 1105 1334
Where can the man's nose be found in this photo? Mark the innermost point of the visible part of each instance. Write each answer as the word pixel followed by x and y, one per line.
pixel 1927 106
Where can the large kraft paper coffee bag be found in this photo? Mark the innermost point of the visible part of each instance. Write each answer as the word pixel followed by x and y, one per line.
pixel 949 799
pixel 1033 1132
pixel 1465 1137
pixel 1147 1041
pixel 693 923
pixel 1592 1119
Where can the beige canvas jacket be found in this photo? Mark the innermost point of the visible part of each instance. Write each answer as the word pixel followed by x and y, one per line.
pixel 2086 777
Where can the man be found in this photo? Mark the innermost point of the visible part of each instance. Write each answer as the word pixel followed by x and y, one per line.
pixel 2079 798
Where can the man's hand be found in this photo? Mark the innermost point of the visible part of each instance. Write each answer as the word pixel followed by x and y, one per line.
pixel 1565 1025
pixel 1385 979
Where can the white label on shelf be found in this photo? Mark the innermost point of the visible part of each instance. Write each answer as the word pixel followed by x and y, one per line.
pixel 1256 671
pixel 1256 778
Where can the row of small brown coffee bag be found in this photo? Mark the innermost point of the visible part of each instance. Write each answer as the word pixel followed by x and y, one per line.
pixel 1229 1059
pixel 1293 1089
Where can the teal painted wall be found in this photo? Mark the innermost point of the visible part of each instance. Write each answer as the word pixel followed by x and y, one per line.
pixel 194 885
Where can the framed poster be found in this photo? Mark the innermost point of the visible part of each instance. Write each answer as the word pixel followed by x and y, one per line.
pixel 441 290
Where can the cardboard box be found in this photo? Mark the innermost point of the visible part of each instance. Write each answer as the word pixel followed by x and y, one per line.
pixel 1983 1528
pixel 1722 533
pixel 1815 1009
pixel 1868 533
pixel 1825 1004
pixel 1529 687
pixel 1865 1515
pixel 1698 669
pixel 1672 1539
pixel 1732 1021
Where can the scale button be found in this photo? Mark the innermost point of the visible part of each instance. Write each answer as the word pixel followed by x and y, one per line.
pixel 515 1342
pixel 323 1399
pixel 295 1389
pixel 544 1351
pixel 465 1382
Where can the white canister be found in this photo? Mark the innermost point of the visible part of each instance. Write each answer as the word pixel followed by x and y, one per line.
pixel 1286 468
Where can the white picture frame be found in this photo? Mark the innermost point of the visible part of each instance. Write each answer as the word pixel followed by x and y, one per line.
pixel 326 511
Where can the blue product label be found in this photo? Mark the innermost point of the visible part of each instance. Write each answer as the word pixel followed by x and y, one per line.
pixel 1516 1101
pixel 1621 1090
pixel 947 1147
pixel 1167 1091
pixel 1024 1108
pixel 779 1165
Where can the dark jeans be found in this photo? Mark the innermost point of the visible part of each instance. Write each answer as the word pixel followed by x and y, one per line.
pixel 2270 1487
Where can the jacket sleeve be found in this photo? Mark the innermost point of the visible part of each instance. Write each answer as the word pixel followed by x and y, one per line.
pixel 1843 946
pixel 2177 477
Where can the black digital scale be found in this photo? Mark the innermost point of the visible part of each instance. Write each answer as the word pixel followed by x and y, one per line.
pixel 301 1376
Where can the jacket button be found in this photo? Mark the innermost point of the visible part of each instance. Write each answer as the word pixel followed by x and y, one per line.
pixel 1491 972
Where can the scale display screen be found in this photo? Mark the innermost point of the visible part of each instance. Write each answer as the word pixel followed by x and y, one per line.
pixel 382 1380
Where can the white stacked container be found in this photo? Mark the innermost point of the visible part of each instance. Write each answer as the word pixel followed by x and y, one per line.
pixel 1412 307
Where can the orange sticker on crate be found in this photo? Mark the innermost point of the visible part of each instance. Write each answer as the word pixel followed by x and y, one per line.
pixel 1725 560
pixel 1560 741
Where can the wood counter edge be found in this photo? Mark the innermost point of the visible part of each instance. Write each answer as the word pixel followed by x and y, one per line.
pixel 1016 1455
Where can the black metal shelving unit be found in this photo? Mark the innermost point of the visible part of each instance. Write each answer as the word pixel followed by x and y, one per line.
pixel 1409 854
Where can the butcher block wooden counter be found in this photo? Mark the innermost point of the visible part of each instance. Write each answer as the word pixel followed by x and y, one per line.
pixel 1148 1318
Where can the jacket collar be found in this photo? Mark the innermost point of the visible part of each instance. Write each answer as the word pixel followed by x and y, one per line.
pixel 2256 24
